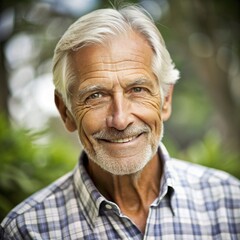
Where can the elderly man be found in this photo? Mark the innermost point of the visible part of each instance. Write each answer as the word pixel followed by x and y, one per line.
pixel 114 82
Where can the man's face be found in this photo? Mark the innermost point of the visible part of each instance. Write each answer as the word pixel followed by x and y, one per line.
pixel 116 104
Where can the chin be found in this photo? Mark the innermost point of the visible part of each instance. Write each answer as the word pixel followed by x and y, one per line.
pixel 123 165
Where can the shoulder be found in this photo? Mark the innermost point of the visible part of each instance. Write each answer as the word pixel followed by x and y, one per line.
pixel 201 177
pixel 38 205
pixel 202 189
pixel 208 196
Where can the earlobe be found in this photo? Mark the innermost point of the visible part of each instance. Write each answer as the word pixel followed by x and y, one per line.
pixel 65 114
pixel 167 105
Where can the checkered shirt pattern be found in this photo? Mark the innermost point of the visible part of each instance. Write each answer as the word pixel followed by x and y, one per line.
pixel 194 203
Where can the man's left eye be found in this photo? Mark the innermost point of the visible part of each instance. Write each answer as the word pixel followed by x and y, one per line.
pixel 137 89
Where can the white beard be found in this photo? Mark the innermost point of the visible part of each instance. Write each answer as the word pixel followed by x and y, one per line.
pixel 117 166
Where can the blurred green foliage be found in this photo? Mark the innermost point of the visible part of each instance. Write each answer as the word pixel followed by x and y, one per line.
pixel 27 166
pixel 208 151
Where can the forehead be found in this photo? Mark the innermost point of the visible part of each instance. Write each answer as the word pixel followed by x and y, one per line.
pixel 125 52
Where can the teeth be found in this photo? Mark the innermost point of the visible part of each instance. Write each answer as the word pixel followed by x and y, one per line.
pixel 123 140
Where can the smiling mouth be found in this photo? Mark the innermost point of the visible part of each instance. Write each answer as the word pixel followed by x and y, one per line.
pixel 121 140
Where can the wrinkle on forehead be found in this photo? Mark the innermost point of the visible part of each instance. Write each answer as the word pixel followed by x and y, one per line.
pixel 101 64
pixel 100 68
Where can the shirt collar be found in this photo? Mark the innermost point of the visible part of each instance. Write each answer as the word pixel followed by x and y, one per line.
pixel 169 174
pixel 92 200
pixel 168 181
pixel 88 194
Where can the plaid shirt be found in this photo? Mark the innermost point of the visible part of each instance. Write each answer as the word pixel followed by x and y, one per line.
pixel 194 203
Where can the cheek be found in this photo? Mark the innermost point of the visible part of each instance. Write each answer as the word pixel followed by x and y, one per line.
pixel 149 111
pixel 88 121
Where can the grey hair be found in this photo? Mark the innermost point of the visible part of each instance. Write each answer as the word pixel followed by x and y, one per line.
pixel 95 28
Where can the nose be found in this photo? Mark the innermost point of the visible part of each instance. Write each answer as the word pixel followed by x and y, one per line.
pixel 119 116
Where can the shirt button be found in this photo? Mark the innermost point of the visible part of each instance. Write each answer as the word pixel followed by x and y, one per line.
pixel 107 206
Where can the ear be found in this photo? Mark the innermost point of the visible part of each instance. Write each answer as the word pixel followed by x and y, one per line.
pixel 167 104
pixel 66 116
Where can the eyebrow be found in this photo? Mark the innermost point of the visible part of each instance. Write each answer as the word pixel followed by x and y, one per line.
pixel 140 81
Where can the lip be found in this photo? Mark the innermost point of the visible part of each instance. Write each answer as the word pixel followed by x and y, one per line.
pixel 121 141
pixel 126 148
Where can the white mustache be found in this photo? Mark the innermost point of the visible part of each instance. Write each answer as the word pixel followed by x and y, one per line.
pixel 114 134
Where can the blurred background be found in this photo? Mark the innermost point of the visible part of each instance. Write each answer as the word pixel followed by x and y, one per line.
pixel 203 39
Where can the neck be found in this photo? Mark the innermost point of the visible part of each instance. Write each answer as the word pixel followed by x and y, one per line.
pixel 132 193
